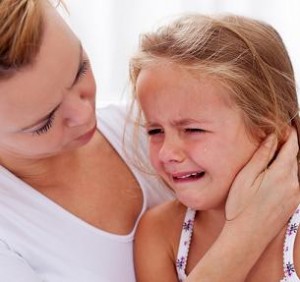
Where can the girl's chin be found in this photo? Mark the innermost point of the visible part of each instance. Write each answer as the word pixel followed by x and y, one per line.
pixel 200 202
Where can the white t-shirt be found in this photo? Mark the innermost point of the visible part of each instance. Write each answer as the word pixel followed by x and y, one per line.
pixel 41 241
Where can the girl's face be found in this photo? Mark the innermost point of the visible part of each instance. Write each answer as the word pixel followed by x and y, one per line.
pixel 197 138
pixel 48 107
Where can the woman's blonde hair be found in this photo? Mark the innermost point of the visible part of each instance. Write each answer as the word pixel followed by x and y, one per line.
pixel 21 33
pixel 248 56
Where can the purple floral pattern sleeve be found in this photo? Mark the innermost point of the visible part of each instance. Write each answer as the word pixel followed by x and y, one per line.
pixel 290 274
pixel 184 244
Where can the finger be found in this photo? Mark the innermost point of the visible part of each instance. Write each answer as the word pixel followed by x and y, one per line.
pixel 240 196
pixel 260 160
pixel 243 188
pixel 288 152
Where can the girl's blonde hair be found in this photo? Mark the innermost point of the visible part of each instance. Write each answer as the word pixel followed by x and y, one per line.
pixel 248 56
pixel 21 33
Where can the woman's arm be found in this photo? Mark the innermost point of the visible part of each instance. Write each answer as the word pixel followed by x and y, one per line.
pixel 259 205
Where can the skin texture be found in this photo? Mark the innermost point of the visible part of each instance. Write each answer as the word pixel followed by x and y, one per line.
pixel 250 215
pixel 201 134
pixel 58 161
pixel 48 85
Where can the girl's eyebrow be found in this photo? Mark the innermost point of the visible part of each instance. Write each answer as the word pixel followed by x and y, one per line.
pixel 184 122
pixel 188 121
pixel 179 122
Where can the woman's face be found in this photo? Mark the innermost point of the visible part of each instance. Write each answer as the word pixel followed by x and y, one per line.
pixel 49 107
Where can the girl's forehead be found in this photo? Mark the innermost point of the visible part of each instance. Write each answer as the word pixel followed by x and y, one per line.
pixel 177 78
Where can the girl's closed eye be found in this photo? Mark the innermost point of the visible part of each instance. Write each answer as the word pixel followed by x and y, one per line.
pixel 154 131
pixel 194 130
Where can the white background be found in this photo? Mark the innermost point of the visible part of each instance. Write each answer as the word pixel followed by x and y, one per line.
pixel 109 31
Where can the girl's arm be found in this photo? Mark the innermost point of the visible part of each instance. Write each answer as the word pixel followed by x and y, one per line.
pixel 153 252
pixel 259 205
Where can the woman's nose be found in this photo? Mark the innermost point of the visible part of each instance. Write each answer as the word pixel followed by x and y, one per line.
pixel 80 112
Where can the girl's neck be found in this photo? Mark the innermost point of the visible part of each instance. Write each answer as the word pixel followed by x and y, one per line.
pixel 207 227
pixel 211 220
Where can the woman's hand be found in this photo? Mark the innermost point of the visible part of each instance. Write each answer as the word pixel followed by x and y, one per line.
pixel 267 194
pixel 260 202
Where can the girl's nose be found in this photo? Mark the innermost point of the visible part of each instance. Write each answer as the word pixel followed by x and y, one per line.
pixel 171 151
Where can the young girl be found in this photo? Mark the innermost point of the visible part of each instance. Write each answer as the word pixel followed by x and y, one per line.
pixel 211 89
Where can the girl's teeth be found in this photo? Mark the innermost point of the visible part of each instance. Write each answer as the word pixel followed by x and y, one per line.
pixel 188 175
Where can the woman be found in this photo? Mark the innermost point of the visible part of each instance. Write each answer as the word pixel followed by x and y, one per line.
pixel 69 198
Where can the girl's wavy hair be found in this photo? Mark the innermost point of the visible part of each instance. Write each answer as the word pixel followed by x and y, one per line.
pixel 21 33
pixel 247 56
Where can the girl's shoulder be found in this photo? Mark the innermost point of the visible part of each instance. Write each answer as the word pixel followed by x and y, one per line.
pixel 170 213
pixel 156 242
pixel 163 224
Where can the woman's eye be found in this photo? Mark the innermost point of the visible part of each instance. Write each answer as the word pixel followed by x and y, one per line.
pixel 46 126
pixel 83 68
pixel 154 131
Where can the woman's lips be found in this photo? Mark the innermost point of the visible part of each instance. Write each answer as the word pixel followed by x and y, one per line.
pixel 87 136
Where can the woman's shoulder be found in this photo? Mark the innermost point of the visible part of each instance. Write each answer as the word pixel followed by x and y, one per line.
pixel 116 123
pixel 113 109
pixel 118 113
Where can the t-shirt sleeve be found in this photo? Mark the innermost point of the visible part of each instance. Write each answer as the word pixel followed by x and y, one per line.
pixel 13 268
